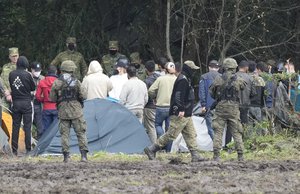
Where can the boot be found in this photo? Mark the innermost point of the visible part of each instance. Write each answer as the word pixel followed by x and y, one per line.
pixel 83 156
pixel 216 156
pixel 66 156
pixel 240 157
pixel 196 156
pixel 151 151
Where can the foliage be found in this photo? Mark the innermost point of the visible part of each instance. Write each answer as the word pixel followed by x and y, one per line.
pixel 212 29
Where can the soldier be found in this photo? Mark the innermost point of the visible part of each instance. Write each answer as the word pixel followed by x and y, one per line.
pixel 7 68
pixel 109 61
pixel 225 89
pixel 73 55
pixel 181 108
pixel 137 63
pixel 69 95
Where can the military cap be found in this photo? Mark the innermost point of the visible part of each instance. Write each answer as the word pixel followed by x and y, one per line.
pixel 230 63
pixel 135 58
pixel 191 64
pixel 71 40
pixel 13 51
pixel 271 62
pixel 113 45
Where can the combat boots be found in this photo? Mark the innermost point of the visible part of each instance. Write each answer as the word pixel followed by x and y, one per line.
pixel 83 156
pixel 196 156
pixel 66 156
pixel 216 156
pixel 240 157
pixel 151 151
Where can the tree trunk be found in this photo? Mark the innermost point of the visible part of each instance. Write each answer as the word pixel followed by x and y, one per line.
pixel 168 31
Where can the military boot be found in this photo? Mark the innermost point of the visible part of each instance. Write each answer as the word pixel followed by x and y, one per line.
pixel 240 157
pixel 216 156
pixel 83 156
pixel 66 156
pixel 151 151
pixel 196 156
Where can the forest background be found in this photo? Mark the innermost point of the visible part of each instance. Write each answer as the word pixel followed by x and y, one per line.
pixel 198 30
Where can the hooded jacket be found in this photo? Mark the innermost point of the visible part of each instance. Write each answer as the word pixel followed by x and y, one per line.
pixel 21 81
pixel 96 83
pixel 43 91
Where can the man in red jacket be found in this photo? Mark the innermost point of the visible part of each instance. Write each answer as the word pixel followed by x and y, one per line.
pixel 42 94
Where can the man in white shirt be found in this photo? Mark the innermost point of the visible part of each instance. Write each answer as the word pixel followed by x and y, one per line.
pixel 120 79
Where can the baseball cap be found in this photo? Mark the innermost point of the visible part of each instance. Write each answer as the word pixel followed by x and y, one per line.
pixel 36 66
pixel 191 64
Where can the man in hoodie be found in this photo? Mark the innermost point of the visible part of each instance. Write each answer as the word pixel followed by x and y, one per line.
pixel 71 54
pixel 21 84
pixel 36 69
pixel 182 102
pixel 49 113
pixel 96 83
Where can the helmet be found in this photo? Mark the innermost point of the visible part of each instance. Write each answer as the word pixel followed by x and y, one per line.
pixel 230 63
pixel 68 66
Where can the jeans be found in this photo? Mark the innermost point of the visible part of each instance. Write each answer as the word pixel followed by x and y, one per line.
pixel 37 119
pixel 208 121
pixel 48 117
pixel 162 115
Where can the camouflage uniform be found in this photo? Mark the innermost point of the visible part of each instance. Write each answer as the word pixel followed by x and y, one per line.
pixel 109 61
pixel 74 56
pixel 70 111
pixel 226 89
pixel 6 69
pixel 140 68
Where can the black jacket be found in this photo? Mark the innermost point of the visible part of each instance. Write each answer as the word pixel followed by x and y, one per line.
pixel 21 81
pixel 182 98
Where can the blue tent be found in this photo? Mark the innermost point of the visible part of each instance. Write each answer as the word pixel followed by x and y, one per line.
pixel 110 127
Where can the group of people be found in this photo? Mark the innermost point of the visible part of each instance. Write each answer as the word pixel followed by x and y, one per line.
pixel 156 92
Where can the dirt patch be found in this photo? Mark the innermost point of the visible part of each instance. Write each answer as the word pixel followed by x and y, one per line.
pixel 22 176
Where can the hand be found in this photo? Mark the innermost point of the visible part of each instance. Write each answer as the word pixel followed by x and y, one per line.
pixel 181 114
pixel 8 98
pixel 203 109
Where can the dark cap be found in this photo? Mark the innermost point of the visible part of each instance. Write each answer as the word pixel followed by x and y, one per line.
pixel 122 62
pixel 243 63
pixel 271 62
pixel 213 63
pixel 36 66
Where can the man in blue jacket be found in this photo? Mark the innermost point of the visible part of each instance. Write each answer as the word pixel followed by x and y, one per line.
pixel 205 98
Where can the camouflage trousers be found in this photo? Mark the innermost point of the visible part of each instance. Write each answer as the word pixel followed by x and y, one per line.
pixel 79 126
pixel 227 115
pixel 149 119
pixel 179 125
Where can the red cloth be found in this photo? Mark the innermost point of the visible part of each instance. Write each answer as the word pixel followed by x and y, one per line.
pixel 43 92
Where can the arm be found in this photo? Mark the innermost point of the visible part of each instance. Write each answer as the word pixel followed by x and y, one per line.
pixel 152 92
pixel 123 95
pixel 181 95
pixel 83 67
pixel 202 93
pixel 53 93
pixel 39 93
pixel 82 92
pixel 109 85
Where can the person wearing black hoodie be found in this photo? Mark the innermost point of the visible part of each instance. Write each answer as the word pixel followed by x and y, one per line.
pixel 22 84
pixel 181 107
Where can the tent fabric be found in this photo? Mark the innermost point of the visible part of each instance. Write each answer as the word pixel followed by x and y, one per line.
pixel 110 127
pixel 4 144
pixel 7 128
pixel 204 141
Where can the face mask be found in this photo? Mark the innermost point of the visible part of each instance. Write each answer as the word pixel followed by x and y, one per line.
pixel 71 47
pixel 113 52
pixel 36 74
